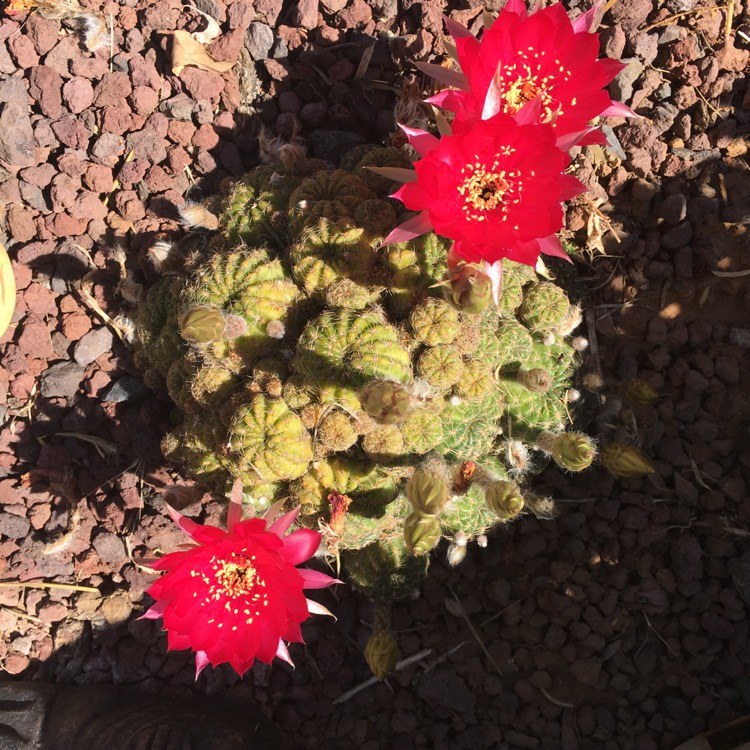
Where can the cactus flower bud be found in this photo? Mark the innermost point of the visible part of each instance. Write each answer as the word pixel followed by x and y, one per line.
pixel 626 461
pixel 381 653
pixel 457 549
pixel 386 401
pixel 504 499
pixel 427 492
pixel 570 450
pixel 202 324
pixel 639 392
pixel 421 533
pixel 536 379
pixel 468 288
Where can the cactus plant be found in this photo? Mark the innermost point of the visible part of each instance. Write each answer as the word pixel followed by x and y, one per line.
pixel 382 393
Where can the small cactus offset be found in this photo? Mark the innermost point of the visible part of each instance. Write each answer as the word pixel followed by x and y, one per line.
pixel 385 394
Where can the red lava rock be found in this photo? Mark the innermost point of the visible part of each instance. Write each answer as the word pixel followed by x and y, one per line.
pixel 108 149
pixel 178 159
pixel 306 14
pixel 65 225
pixel 341 70
pixel 116 119
pixel 144 100
pixel 132 172
pixel 97 382
pixel 157 180
pixel 731 58
pixel 72 163
pixel 52 612
pixel 75 325
pixel 143 73
pixel 88 205
pixel 87 67
pixel 98 178
pixel 38 299
pixel 147 144
pixel 45 85
pixel 43 32
pixel 269 9
pixel 21 223
pixel 181 132
pixel 71 131
pixel 23 52
pixel 15 663
pixel 240 14
pixel 16 135
pixel 358 13
pixel 158 123
pixel 22 386
pixel 127 18
pixel 205 162
pixel 206 137
pixel 63 192
pixel 78 94
pixel 129 205
pixel 202 84
pixel 35 339
pixel 113 88
pixel 39 176
pixel 227 46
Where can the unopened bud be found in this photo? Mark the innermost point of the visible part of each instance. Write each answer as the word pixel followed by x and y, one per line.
pixel 386 401
pixel 381 653
pixel 570 450
pixel 427 492
pixel 639 392
pixel 468 288
pixel 276 329
pixel 202 324
pixel 504 499
pixel 457 549
pixel 536 380
pixel 626 461
pixel 421 533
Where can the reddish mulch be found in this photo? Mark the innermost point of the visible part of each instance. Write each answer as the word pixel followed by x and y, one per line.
pixel 620 624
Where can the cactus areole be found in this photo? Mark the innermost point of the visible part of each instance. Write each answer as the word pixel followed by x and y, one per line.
pixel 359 380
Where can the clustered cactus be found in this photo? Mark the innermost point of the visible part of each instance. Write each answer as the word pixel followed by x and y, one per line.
pixel 387 396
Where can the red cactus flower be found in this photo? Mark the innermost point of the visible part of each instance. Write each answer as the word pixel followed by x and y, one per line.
pixel 237 595
pixel 540 56
pixel 495 187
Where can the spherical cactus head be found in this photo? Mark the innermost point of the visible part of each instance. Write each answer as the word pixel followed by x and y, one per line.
pixel 574 451
pixel 385 401
pixel 336 432
pixel 639 392
pixel 626 461
pixel 504 499
pixel 545 307
pixel 433 321
pixel 381 653
pixel 202 324
pixel 537 379
pixel 421 533
pixel 468 288
pixel 427 491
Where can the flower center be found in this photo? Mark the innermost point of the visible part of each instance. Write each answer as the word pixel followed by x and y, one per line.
pixel 235 576
pixel 487 189
pixel 521 91
pixel 524 81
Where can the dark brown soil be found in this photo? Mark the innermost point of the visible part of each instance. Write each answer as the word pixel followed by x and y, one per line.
pixel 622 624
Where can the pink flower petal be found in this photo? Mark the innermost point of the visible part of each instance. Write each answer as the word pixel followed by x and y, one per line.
pixel 156 611
pixel 585 22
pixel 201 662
pixel 494 272
pixel 530 112
pixel 493 101
pixel 314 579
pixel 283 653
pixel 281 525
pixel 300 545
pixel 410 229
pixel 273 511
pixel 421 140
pixel 515 6
pixel 234 514
pixel 318 609
pixel 455 29
pixel 551 246
pixel 618 109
